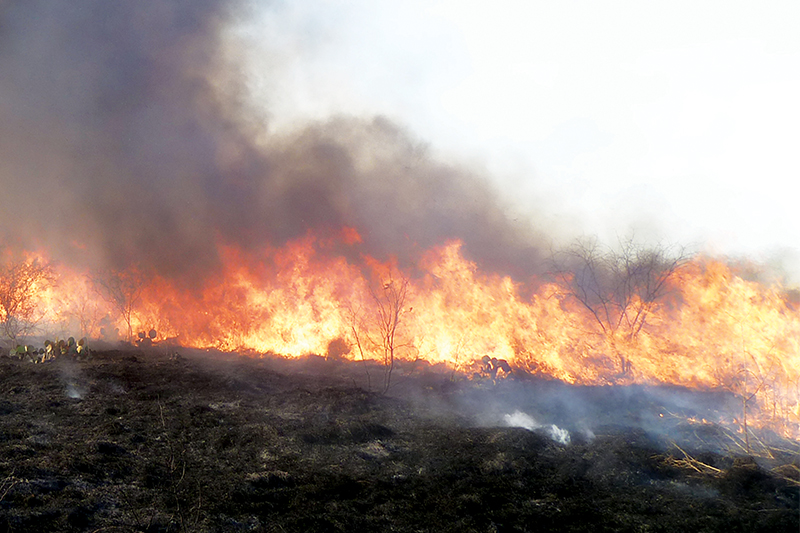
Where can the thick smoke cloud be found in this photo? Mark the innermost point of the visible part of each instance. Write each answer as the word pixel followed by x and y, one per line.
pixel 123 138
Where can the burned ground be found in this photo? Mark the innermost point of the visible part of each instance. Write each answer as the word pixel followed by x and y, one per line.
pixel 138 441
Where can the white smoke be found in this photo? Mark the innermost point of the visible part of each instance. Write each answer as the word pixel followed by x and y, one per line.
pixel 519 419
pixel 73 391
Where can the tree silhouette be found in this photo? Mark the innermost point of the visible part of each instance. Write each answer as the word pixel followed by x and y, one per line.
pixel 619 287
pixel 377 328
pixel 21 281
pixel 122 291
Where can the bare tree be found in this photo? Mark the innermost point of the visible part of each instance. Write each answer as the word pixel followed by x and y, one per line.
pixel 620 286
pixel 122 291
pixel 389 304
pixel 21 282
pixel 376 330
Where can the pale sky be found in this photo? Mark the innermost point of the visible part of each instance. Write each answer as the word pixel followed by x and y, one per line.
pixel 678 119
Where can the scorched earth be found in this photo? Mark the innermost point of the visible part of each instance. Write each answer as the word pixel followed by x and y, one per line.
pixel 136 440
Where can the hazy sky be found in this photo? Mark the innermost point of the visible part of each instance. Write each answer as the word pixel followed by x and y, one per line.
pixel 679 119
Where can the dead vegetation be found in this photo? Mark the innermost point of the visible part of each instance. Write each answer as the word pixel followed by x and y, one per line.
pixel 620 286
pixel 21 281
pixel 157 444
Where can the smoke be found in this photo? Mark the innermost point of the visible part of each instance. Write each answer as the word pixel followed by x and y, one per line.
pixel 518 419
pixel 126 139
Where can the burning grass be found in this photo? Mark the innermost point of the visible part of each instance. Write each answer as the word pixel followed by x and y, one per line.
pixel 636 316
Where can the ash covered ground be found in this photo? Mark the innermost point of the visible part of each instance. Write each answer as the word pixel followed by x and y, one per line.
pixel 141 441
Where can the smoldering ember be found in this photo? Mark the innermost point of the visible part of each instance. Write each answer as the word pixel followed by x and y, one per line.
pixel 211 326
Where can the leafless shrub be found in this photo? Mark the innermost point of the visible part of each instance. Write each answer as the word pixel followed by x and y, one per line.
pixel 377 330
pixel 122 290
pixel 389 303
pixel 619 286
pixel 21 281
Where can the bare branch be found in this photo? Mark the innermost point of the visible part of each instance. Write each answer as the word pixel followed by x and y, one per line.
pixel 389 305
pixel 619 287
pixel 121 290
pixel 20 283
pixel 376 328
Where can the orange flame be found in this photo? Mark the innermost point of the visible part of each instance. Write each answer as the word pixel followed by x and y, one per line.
pixel 718 331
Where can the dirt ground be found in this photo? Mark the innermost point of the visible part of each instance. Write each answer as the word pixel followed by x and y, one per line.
pixel 139 441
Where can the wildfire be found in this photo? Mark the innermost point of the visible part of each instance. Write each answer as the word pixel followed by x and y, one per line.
pixel 715 330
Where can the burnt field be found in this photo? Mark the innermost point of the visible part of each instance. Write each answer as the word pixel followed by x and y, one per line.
pixel 138 441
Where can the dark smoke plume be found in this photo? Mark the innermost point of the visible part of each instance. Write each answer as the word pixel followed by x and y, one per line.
pixel 122 140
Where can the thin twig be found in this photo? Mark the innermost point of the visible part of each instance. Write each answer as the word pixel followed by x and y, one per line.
pixel 690 462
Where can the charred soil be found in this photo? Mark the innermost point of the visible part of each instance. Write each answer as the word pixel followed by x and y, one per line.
pixel 136 441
